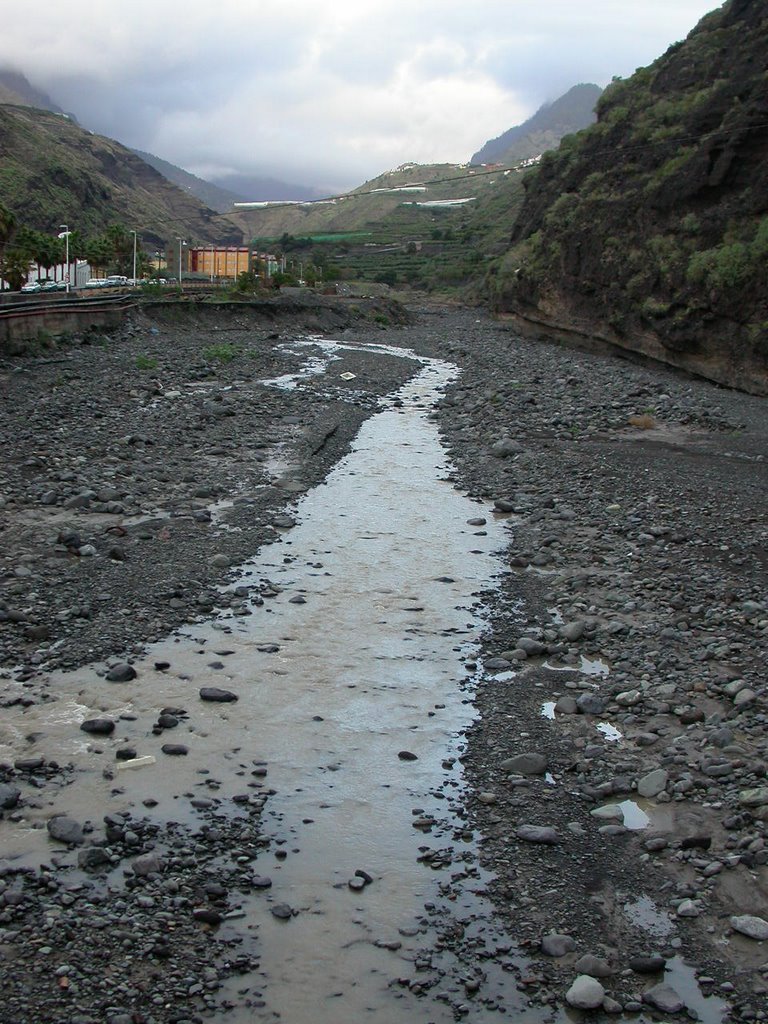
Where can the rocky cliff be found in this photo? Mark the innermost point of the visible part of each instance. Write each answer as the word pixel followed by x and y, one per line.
pixel 649 230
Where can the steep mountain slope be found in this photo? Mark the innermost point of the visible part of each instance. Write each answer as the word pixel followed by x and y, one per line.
pixel 551 122
pixel 219 199
pixel 17 89
pixel 52 172
pixel 237 188
pixel 254 187
pixel 649 230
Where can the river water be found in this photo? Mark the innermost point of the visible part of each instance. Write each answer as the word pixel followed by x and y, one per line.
pixel 354 694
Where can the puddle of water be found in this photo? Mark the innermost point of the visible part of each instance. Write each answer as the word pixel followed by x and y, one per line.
pixel 611 733
pixel 314 366
pixel 593 667
pixel 708 1009
pixel 643 913
pixel 331 690
pixel 586 666
pixel 635 817
pixel 629 812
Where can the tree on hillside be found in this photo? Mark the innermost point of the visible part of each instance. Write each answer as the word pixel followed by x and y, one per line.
pixel 7 229
pixel 15 266
pixel 99 252
pixel 121 240
pixel 15 250
pixel 7 225
pixel 41 248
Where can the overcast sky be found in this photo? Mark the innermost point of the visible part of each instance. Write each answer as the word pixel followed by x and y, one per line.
pixel 326 95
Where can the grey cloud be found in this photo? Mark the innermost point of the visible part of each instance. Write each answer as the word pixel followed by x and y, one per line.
pixel 329 95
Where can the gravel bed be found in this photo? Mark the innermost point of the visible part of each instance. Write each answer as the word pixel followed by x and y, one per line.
pixel 635 599
pixel 141 467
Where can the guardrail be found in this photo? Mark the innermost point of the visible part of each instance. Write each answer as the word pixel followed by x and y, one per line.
pixel 41 306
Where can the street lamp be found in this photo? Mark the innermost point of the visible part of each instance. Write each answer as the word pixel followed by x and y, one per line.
pixel 65 233
pixel 181 242
pixel 133 282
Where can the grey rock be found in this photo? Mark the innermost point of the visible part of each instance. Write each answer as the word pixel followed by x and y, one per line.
pixel 504 505
pixel 98 726
pixel 281 911
pixel 175 749
pixel 525 764
pixel 585 993
pixel 757 797
pixel 647 964
pixel 557 945
pixel 544 834
pixel 533 648
pixel 663 997
pixel 505 447
pixel 121 673
pixel 590 704
pixel 745 696
pixel 65 830
pixel 215 695
pixel 566 705
pixel 653 783
pixel 572 631
pixel 753 927
pixel 92 857
pixel 148 864
pixel 594 966
pixel 497 664
pixel 9 796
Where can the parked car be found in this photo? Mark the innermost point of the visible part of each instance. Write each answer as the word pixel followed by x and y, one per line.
pixel 32 286
pixel 49 286
pixel 95 282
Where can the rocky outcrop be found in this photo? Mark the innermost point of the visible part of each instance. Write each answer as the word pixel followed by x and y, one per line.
pixel 649 230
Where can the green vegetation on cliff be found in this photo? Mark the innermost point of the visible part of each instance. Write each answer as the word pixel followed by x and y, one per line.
pixel 650 228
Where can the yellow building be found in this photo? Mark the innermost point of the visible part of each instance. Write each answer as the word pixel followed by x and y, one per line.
pixel 217 261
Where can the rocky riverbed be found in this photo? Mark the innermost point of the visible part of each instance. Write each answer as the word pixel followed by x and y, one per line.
pixel 618 768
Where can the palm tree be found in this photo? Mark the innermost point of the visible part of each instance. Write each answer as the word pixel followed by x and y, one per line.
pixel 7 225
pixel 7 228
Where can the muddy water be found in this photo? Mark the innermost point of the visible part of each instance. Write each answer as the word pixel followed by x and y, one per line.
pixel 353 698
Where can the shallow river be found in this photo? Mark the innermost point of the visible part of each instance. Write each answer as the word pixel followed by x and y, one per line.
pixel 354 694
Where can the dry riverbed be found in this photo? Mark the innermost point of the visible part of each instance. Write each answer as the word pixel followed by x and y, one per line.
pixel 618 768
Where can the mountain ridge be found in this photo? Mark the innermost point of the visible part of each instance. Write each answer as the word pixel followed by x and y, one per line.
pixel 542 131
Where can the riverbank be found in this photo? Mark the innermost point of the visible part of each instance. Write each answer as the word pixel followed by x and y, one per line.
pixel 635 601
pixel 638 698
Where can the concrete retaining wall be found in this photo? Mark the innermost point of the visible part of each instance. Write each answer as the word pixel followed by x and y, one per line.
pixel 25 325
